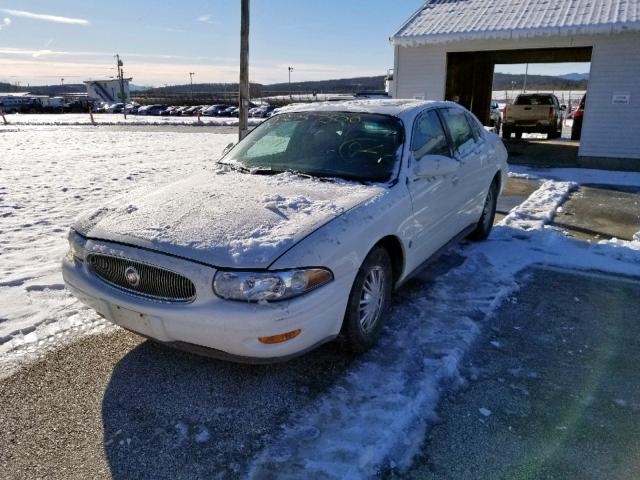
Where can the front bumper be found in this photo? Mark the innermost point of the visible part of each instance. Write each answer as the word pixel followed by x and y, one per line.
pixel 210 325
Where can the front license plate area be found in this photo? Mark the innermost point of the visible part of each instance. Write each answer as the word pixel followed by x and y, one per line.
pixel 131 320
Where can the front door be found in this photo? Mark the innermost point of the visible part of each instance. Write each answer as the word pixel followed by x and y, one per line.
pixel 433 198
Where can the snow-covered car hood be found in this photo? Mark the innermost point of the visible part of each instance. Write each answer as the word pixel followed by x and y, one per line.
pixel 226 218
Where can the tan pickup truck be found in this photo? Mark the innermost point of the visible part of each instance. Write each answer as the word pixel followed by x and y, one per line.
pixel 533 113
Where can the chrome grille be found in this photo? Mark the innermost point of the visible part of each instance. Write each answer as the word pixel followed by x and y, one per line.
pixel 142 279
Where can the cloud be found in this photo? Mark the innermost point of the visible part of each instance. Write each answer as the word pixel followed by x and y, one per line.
pixel 5 22
pixel 46 18
pixel 28 52
pixel 205 19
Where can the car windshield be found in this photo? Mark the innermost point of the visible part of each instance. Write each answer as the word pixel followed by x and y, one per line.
pixel 355 146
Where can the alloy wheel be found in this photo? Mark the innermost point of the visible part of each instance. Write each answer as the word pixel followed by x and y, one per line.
pixel 372 298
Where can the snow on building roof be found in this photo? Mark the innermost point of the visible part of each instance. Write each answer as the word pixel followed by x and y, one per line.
pixel 440 21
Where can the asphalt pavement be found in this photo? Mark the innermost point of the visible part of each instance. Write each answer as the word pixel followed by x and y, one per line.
pixel 554 387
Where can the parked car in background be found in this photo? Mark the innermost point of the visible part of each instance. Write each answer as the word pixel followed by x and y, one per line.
pixel 227 112
pixel 155 110
pixel 319 213
pixel 167 111
pixel 262 111
pixel 100 107
pixel 214 110
pixel 533 113
pixel 178 111
pixel 190 110
pixel 578 115
pixel 495 116
pixel 115 108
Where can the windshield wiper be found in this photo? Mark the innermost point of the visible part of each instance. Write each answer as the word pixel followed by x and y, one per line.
pixel 327 176
pixel 251 170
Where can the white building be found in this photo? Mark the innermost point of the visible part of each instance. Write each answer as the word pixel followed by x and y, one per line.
pixel 448 50
pixel 108 90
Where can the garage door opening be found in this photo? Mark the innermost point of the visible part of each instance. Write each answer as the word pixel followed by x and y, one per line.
pixel 487 81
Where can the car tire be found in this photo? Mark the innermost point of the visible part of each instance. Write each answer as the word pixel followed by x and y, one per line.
pixel 369 301
pixel 485 224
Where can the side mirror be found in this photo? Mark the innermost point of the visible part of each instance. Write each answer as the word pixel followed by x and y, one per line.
pixel 435 166
pixel 227 148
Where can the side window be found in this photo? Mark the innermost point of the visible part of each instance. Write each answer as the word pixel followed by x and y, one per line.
pixel 459 128
pixel 476 127
pixel 428 136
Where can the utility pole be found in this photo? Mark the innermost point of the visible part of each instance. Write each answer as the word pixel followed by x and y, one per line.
pixel 191 74
pixel 243 122
pixel 123 97
pixel 526 73
pixel 290 70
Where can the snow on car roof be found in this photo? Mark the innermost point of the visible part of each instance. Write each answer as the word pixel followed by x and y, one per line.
pixel 384 106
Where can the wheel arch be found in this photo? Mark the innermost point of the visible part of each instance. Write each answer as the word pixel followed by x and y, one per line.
pixel 394 248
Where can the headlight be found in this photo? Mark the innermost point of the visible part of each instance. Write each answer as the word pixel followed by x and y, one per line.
pixel 77 246
pixel 269 286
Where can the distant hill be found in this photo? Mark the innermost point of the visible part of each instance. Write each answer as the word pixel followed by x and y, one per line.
pixel 8 87
pixel 345 85
pixel 575 76
pixel 502 81
pixel 505 81
pixel 53 90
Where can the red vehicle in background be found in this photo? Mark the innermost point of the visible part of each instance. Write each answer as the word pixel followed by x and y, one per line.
pixel 578 115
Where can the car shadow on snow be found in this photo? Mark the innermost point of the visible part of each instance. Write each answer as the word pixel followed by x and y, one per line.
pixel 171 414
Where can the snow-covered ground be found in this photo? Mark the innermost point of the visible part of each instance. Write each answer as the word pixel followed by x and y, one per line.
pixel 378 412
pixel 118 119
pixel 49 176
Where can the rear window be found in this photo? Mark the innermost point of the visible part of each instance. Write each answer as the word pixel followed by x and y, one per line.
pixel 534 100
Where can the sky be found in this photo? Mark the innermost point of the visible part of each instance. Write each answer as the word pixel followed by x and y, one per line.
pixel 160 42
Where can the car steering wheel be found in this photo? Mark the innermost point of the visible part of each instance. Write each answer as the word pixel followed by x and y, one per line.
pixel 351 148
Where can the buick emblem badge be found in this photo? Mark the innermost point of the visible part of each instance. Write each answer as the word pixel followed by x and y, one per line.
pixel 132 276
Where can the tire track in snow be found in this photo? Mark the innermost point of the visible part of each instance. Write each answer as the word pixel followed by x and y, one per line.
pixel 377 415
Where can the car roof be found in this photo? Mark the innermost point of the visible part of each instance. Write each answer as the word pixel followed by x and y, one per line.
pixel 404 108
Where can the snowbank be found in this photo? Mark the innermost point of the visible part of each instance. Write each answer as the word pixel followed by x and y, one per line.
pixel 51 175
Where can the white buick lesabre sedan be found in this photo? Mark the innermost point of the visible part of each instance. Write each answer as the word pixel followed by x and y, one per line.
pixel 298 234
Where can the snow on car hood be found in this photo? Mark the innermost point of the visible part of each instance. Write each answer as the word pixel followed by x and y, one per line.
pixel 226 218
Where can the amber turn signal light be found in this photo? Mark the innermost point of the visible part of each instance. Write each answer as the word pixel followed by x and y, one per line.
pixel 283 337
